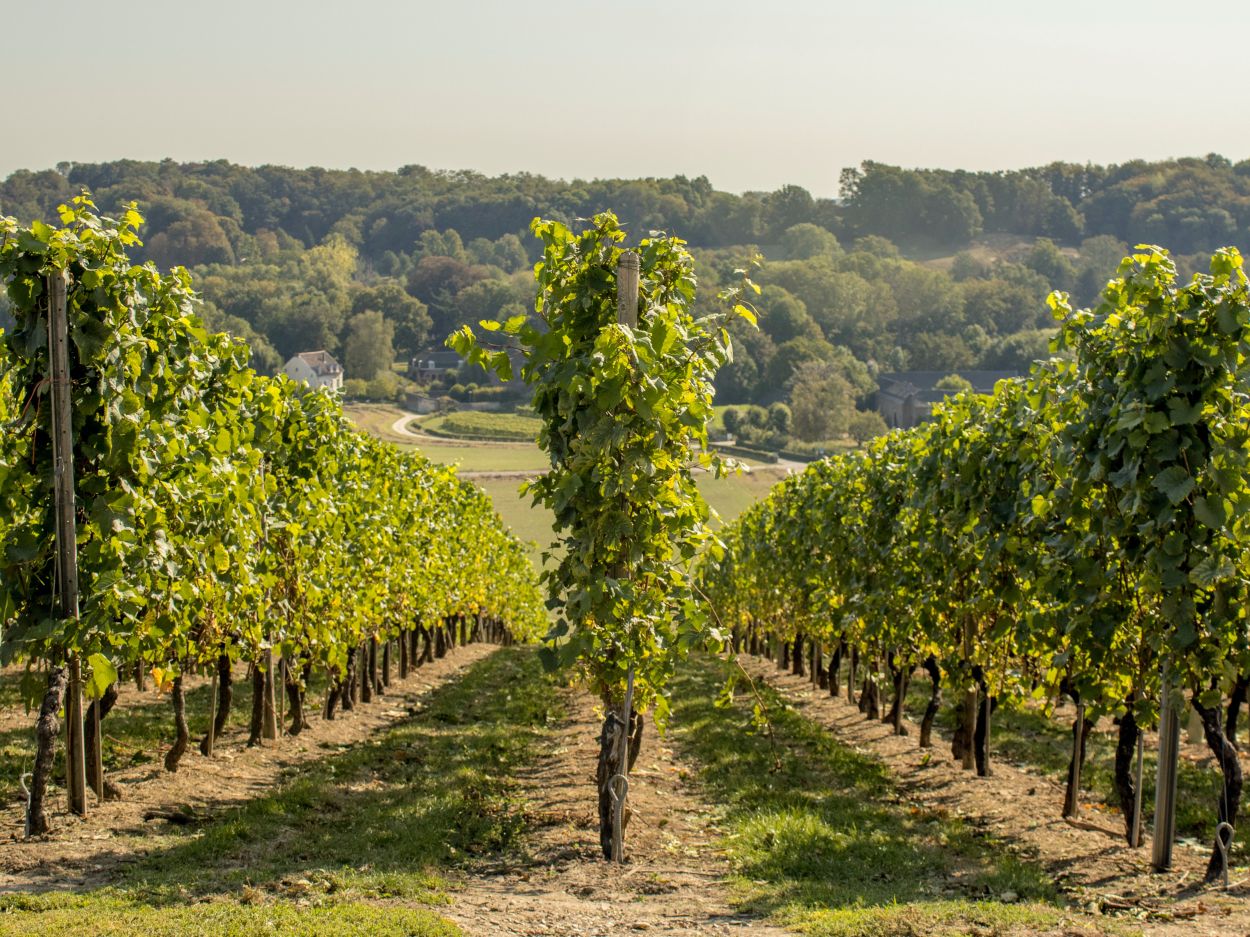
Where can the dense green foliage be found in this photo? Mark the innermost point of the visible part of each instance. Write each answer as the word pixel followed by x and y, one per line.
pixel 622 376
pixel 219 512
pixel 1067 534
pixel 220 213
pixel 624 408
pixel 1194 204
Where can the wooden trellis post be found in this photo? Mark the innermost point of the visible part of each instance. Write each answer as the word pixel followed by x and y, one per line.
pixel 628 270
pixel 1165 786
pixel 66 532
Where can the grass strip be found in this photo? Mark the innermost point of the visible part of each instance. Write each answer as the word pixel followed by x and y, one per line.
pixel 81 915
pixel 827 844
pixel 347 844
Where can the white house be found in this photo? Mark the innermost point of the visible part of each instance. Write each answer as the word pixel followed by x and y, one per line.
pixel 316 369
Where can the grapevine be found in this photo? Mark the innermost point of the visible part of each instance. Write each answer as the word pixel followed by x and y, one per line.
pixel 624 410
pixel 222 515
pixel 1065 535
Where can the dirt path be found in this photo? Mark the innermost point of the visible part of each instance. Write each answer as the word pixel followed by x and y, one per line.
pixel 400 426
pixel 85 851
pixel 1099 871
pixel 673 883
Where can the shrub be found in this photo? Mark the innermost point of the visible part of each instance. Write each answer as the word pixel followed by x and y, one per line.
pixel 954 383
pixel 779 419
pixel 384 386
pixel 866 424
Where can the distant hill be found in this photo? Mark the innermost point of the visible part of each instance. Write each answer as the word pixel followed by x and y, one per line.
pixel 909 270
pixel 1189 205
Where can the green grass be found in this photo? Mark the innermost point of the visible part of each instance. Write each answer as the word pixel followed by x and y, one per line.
pixel 532 525
pixel 733 494
pixel 507 426
pixel 1025 735
pixel 105 916
pixel 344 845
pixel 488 457
pixel 730 496
pixel 827 843
pixel 11 688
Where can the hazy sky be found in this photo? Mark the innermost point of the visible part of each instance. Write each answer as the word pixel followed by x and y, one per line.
pixel 751 94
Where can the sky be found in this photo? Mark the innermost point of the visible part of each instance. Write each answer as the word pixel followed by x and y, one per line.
pixel 753 95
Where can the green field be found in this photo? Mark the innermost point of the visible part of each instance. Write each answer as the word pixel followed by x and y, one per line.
pixel 487 457
pixel 486 463
pixel 732 495
pixel 729 496
pixel 508 426
pixel 530 524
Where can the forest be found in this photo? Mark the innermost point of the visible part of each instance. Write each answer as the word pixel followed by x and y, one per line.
pixel 907 269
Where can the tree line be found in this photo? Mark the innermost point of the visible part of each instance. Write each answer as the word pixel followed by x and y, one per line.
pixel 214 212
pixel 909 270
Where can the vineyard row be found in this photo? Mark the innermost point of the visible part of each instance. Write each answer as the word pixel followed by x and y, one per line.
pixel 1081 532
pixel 215 515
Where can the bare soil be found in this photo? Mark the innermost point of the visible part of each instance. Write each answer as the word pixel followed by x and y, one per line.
pixel 1096 869
pixel 83 852
pixel 672 883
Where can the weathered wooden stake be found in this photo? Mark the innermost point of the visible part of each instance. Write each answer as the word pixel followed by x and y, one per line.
pixel 280 696
pixel 622 762
pixel 970 707
pixel 97 756
pixel 66 531
pixel 269 722
pixel 212 717
pixel 628 270
pixel 1072 806
pixel 1165 784
pixel 1135 841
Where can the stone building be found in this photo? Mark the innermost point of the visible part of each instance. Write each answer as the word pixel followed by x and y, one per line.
pixel 907 398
